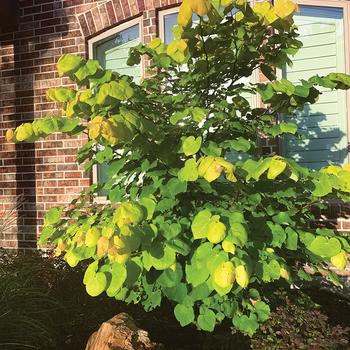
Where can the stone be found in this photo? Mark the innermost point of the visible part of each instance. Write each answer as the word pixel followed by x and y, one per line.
pixel 121 333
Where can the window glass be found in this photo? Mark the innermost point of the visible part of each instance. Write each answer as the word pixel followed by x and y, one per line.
pixel 113 53
pixel 324 124
pixel 169 22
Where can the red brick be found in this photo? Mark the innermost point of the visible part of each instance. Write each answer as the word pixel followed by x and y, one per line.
pixel 50 22
pixel 90 22
pixel 97 19
pixel 111 13
pixel 119 10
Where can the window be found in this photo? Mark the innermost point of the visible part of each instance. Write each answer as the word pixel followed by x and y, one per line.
pixel 111 48
pixel 169 21
pixel 324 124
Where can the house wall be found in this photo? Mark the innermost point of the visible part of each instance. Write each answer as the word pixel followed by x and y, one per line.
pixel 45 173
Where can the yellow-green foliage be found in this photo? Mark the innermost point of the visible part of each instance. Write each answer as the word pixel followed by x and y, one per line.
pixel 185 221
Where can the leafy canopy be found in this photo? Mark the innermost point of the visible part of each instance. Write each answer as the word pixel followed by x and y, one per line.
pixel 195 214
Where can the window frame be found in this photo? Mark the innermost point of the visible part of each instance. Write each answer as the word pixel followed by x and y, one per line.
pixel 161 17
pixel 345 6
pixel 102 37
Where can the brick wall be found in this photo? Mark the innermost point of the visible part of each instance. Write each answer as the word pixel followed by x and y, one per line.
pixel 45 173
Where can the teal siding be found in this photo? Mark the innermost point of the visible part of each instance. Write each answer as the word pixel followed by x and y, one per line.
pixel 323 124
pixel 116 57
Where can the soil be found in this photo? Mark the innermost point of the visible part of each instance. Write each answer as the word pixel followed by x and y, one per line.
pixel 163 327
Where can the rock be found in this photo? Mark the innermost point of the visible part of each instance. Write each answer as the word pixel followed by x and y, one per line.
pixel 121 333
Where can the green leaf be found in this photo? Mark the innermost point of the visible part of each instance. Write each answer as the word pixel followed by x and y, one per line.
pixel 261 167
pixel 282 218
pixel 342 80
pixel 345 244
pixel 276 168
pixel 45 234
pixel 53 216
pixel 90 272
pixel 180 246
pixel 68 124
pixel 266 91
pixel 150 206
pixel 284 86
pixel 216 259
pixel 191 145
pixel 323 186
pixel 196 274
pixel 247 325
pixel 48 125
pixel 115 166
pixel 68 64
pixel 278 234
pixel 71 258
pixel 104 155
pixel 60 94
pixel 173 187
pixel 198 114
pixel 292 239
pixel 236 217
pixel 178 116
pixel 211 149
pixel 89 69
pixel 239 234
pixel 165 62
pixel 322 81
pixel 207 320
pixel 177 293
pixel 325 247
pixel 290 128
pixel 134 269
pixel 200 292
pixel 118 278
pixel 170 278
pixel 240 145
pixel 162 257
pixel 24 132
pixel 200 224
pixel 304 276
pixel 184 314
pixel 262 310
pixel 302 91
pixel 189 172
pixel 96 285
pixel 271 271
pixel 115 195
pixel 306 237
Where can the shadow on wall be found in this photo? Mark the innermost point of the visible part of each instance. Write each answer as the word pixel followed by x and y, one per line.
pixel 30 45
pixel 323 141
